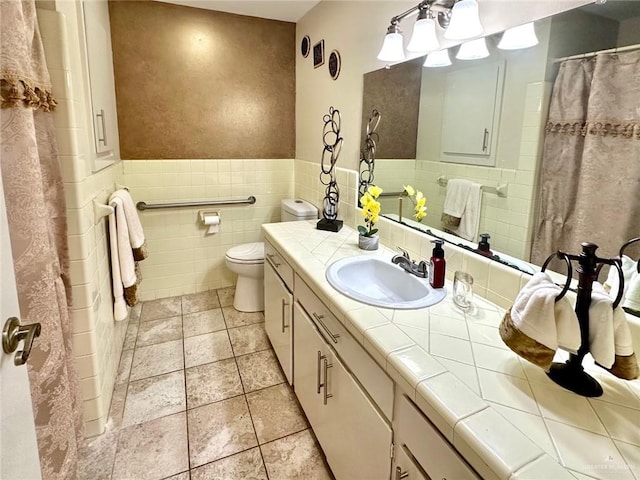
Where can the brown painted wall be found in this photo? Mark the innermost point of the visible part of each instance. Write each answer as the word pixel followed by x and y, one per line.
pixel 193 83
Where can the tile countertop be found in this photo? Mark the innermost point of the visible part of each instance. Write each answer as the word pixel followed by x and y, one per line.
pixel 503 414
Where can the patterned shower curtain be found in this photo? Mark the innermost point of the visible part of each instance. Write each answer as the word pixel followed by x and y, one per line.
pixel 590 172
pixel 37 225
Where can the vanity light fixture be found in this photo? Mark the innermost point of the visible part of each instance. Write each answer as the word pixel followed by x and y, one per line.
pixel 522 36
pixel 465 21
pixel 424 37
pixel 473 50
pixel 459 18
pixel 439 58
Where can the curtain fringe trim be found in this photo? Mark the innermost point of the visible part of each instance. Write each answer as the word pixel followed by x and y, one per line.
pixel 21 92
pixel 625 130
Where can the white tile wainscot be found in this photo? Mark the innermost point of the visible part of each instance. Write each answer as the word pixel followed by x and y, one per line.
pixel 501 413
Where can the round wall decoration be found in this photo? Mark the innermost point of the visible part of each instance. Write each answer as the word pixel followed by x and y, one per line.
pixel 334 64
pixel 305 46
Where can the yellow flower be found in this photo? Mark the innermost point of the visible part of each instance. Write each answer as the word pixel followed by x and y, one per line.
pixel 365 199
pixel 374 219
pixel 374 190
pixel 409 189
pixel 374 207
pixel 420 202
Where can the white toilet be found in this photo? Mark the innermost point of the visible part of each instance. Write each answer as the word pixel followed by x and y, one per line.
pixel 247 260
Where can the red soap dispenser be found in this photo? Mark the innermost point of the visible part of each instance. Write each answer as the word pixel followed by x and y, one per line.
pixel 437 265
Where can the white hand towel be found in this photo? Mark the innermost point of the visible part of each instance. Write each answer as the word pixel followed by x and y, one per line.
pixel 631 298
pixel 136 234
pixel 470 220
pixel 455 199
pixel 536 313
pixel 629 270
pixel 601 339
pixel 120 310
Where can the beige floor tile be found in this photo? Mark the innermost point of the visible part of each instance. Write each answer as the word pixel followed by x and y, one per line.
pixel 159 331
pixel 296 457
pixel 96 456
pixel 152 450
pixel 198 302
pixel 212 382
pixel 203 322
pixel 161 308
pixel 124 368
pixel 259 370
pixel 234 318
pixel 130 336
pixel 157 359
pixel 135 312
pixel 116 410
pixel 246 465
pixel 154 397
pixel 275 413
pixel 207 348
pixel 249 339
pixel 180 476
pixel 225 296
pixel 219 429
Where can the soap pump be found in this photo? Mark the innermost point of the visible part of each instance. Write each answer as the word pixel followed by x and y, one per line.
pixel 437 265
pixel 483 247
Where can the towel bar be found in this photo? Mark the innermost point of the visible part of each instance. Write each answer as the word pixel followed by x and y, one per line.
pixel 150 206
pixel 500 190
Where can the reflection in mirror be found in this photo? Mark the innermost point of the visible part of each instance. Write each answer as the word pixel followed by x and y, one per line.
pixel 500 141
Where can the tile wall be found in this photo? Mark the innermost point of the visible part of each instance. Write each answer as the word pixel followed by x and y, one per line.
pixel 97 338
pixel 183 258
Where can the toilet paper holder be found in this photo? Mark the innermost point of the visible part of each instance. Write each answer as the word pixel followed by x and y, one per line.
pixel 210 219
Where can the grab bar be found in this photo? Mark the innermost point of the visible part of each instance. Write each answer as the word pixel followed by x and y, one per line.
pixel 403 193
pixel 500 190
pixel 149 206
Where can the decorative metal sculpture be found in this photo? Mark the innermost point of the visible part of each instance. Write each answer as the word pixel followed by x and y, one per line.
pixel 368 154
pixel 332 147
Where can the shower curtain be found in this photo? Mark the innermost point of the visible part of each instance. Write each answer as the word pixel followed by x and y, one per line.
pixel 590 171
pixel 37 225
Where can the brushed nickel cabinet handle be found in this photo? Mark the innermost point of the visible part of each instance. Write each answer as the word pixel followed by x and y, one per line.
pixel 400 474
pixel 13 333
pixel 104 130
pixel 284 304
pixel 319 360
pixel 327 366
pixel 485 137
pixel 271 257
pixel 334 336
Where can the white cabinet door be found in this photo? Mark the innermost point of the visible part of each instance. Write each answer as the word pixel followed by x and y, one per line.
pixel 470 110
pixel 354 436
pixel 405 468
pixel 277 316
pixel 101 79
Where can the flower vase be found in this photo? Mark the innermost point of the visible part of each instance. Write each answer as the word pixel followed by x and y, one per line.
pixel 368 243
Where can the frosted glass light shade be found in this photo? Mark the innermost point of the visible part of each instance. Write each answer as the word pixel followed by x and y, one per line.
pixel 473 50
pixel 438 59
pixel 424 37
pixel 522 36
pixel 465 21
pixel 392 49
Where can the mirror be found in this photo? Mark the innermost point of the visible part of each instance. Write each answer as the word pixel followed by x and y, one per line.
pixel 498 144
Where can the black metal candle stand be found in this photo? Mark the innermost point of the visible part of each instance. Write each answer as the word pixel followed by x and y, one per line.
pixel 571 374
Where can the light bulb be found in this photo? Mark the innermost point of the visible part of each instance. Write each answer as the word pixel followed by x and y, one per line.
pixel 424 37
pixel 465 21
pixel 393 46
pixel 473 50
pixel 522 36
pixel 438 59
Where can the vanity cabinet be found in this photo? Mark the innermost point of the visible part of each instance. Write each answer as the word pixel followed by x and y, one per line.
pixel 354 436
pixel 94 25
pixel 421 450
pixel 278 303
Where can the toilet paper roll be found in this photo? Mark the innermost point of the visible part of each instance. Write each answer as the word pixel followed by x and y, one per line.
pixel 213 221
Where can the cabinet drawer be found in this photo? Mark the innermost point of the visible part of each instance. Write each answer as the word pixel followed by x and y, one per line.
pixel 285 271
pixel 373 378
pixel 434 453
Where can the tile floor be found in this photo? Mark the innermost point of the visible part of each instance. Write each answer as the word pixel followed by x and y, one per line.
pixel 200 395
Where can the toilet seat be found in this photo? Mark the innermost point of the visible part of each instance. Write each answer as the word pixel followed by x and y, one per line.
pixel 247 253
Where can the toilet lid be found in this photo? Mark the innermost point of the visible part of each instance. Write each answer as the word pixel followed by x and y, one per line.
pixel 247 252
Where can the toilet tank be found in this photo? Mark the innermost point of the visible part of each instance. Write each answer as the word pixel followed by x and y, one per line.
pixel 292 210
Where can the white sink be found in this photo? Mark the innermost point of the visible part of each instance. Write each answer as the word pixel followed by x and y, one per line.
pixel 381 284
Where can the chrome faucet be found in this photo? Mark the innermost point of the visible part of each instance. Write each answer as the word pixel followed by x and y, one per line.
pixel 404 261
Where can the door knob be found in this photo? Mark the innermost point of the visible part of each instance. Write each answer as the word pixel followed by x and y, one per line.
pixel 13 333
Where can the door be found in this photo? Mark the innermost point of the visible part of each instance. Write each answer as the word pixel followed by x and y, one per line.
pixel 19 459
pixel 277 317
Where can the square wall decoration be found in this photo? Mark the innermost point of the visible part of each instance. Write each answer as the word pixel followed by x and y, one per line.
pixel 318 54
